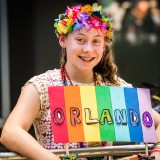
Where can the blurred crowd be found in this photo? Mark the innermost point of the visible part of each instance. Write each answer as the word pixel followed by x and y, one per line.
pixel 136 21
pixel 137 27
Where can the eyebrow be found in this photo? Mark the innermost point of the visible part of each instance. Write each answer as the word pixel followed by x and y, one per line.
pixel 94 36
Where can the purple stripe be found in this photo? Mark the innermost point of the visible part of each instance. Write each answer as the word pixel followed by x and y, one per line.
pixel 148 128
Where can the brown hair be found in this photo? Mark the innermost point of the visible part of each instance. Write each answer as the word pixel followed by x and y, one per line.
pixel 107 67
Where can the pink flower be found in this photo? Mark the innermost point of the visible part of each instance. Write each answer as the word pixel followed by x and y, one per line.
pixel 96 22
pixel 72 12
pixel 103 27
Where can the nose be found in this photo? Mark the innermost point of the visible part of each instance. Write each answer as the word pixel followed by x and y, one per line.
pixel 87 47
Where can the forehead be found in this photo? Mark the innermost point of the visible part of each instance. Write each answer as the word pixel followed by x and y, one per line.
pixel 88 33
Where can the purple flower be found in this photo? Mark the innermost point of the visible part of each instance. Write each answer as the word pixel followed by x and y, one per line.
pixel 83 16
pixel 87 24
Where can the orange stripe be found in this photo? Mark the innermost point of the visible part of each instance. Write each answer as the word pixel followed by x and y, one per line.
pixel 73 100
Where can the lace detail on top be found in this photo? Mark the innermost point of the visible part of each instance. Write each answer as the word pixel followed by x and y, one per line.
pixel 42 123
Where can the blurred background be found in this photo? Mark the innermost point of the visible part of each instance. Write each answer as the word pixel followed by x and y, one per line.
pixel 28 45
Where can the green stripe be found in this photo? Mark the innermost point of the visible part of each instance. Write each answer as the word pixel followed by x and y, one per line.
pixel 107 131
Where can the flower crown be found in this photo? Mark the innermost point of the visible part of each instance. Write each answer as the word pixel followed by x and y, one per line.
pixel 89 16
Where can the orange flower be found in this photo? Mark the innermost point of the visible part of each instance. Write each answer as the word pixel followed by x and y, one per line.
pixel 87 8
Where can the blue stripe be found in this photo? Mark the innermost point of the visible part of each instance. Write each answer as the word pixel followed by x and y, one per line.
pixel 133 113
pixel 120 115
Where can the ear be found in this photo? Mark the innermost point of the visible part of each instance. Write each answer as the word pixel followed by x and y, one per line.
pixel 62 41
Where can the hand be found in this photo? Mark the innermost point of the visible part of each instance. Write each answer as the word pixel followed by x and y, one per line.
pixel 156 154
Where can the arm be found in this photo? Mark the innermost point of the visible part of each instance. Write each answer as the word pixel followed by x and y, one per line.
pixel 156 117
pixel 15 134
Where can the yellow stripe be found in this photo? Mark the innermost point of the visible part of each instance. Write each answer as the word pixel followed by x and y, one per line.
pixel 88 100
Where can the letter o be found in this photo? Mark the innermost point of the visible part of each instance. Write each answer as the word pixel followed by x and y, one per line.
pixel 58 116
pixel 147 119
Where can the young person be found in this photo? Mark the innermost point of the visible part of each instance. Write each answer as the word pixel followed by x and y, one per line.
pixel 84 34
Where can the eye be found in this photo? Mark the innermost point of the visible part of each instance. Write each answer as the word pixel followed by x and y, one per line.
pixel 80 40
pixel 97 41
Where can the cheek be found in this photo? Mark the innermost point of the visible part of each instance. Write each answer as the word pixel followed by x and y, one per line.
pixel 100 51
pixel 72 52
pixel 75 50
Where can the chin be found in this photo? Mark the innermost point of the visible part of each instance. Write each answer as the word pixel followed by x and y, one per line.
pixel 86 68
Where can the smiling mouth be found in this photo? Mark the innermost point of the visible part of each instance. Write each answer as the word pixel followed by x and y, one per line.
pixel 87 59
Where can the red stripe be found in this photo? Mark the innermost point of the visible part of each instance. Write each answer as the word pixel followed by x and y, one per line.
pixel 57 104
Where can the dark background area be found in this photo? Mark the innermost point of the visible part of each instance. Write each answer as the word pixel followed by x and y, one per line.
pixel 0 79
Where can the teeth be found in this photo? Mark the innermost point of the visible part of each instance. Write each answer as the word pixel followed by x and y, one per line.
pixel 87 58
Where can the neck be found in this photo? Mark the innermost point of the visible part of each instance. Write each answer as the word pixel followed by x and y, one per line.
pixel 80 76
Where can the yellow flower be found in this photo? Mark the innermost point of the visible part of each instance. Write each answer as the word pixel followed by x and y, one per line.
pixel 69 21
pixel 97 8
pixel 64 26
pixel 104 19
pixel 111 25
pixel 70 14
pixel 87 8
pixel 61 29
pixel 109 34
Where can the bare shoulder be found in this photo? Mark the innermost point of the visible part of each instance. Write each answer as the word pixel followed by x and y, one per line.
pixel 29 97
pixel 29 91
pixel 29 94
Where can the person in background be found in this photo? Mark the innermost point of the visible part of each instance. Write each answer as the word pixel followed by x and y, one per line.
pixel 84 34
pixel 139 26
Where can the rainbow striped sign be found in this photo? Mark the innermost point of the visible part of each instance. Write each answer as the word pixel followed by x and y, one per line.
pixel 101 113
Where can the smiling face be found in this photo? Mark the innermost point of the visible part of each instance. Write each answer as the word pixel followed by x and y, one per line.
pixel 84 48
